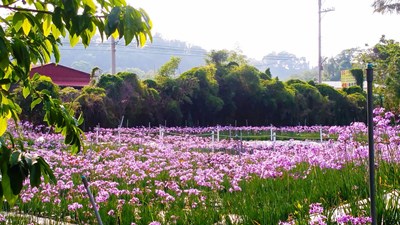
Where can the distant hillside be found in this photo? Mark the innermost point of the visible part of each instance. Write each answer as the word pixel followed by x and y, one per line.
pixel 143 61
pixel 147 60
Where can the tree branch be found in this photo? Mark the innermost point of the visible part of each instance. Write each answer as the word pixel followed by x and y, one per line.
pixel 24 9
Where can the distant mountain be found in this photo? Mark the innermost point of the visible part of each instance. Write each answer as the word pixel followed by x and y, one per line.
pixel 283 65
pixel 147 60
pixel 132 58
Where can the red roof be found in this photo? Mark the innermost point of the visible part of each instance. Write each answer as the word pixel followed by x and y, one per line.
pixel 62 75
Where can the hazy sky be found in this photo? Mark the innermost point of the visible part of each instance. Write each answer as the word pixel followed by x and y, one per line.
pixel 259 27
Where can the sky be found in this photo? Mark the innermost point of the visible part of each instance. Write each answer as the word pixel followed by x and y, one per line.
pixel 259 27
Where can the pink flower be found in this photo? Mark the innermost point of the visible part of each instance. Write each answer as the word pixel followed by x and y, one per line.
pixel 111 213
pixel 2 218
pixel 155 223
pixel 74 206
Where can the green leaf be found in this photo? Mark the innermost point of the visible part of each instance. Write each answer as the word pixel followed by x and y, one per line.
pixel 26 91
pixel 68 138
pixel 15 158
pixel 46 24
pixel 73 40
pixel 56 52
pixel 57 19
pixel 129 25
pixel 4 59
pixel 90 4
pixel 35 102
pixel 119 2
pixel 17 179
pixel 26 26
pixel 47 170
pixel 35 174
pixel 44 78
pixel 55 31
pixel 21 54
pixel 112 21
pixel 5 81
pixel 18 20
pixel 5 181
pixel 3 125
pixel 80 119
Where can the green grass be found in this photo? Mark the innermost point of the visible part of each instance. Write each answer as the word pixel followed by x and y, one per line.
pixel 280 135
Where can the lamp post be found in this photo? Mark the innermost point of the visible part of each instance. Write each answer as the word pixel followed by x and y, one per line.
pixel 319 38
pixel 372 191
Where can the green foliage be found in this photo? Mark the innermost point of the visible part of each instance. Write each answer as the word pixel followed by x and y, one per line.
pixel 170 67
pixel 32 108
pixel 353 89
pixel 384 56
pixel 93 106
pixel 225 94
pixel 16 166
pixel 30 33
pixel 343 61
pixel 311 105
pixel 358 74
pixel 225 58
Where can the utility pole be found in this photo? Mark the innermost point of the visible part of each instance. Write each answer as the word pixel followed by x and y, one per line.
pixel 113 63
pixel 320 11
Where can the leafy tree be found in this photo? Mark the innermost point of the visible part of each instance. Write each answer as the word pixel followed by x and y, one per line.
pixel 217 58
pixel 358 102
pixel 68 96
pixel 170 67
pixel 284 64
pixel 277 103
pixel 93 107
pixel 340 109
pixel 241 94
pixel 306 75
pixel 386 6
pixel 124 96
pixel 31 33
pixel 205 102
pixel 385 56
pixel 311 105
pixel 342 61
pixel 358 74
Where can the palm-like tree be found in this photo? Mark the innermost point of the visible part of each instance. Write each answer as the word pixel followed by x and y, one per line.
pixel 387 6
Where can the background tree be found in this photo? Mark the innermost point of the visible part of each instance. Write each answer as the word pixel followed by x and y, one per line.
pixel 170 67
pixel 385 56
pixel 386 6
pixel 343 61
pixel 205 102
pixel 283 64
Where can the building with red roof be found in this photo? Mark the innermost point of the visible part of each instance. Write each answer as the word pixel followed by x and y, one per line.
pixel 62 76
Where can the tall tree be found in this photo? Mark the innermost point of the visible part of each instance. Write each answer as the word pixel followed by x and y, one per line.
pixel 31 33
pixel 169 68
pixel 386 58
pixel 386 6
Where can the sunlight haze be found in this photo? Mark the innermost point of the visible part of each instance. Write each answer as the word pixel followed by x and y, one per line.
pixel 258 27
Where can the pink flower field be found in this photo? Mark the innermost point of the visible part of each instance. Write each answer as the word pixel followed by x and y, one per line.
pixel 184 177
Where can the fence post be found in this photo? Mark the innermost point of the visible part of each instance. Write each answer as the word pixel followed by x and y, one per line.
pixel 97 133
pixel 212 140
pixel 320 134
pixel 217 133
pixel 272 134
